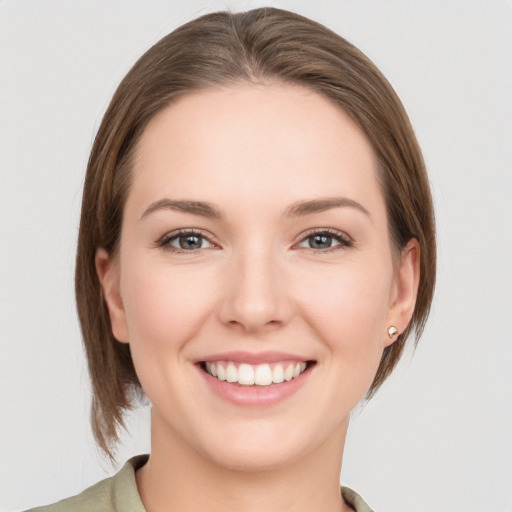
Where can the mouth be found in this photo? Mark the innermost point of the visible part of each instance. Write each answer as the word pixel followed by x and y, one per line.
pixel 256 375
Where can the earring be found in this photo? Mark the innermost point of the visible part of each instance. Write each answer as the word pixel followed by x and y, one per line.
pixel 392 331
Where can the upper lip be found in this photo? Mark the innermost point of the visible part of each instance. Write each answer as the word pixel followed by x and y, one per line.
pixel 253 357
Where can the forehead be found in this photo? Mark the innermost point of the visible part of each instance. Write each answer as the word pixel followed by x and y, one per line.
pixel 254 140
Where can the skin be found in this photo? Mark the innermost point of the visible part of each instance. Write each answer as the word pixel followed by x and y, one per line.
pixel 256 284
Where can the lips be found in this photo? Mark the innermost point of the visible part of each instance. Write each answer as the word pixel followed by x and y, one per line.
pixel 246 374
pixel 248 379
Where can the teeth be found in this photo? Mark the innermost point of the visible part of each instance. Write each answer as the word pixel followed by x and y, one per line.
pixel 231 373
pixel 245 375
pixel 221 373
pixel 278 374
pixel 263 375
pixel 259 375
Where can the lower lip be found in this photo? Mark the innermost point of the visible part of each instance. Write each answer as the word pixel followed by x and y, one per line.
pixel 255 395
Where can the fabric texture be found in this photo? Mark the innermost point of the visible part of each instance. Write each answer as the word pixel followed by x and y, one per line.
pixel 119 493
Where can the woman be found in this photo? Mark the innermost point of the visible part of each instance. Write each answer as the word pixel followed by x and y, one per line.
pixel 256 245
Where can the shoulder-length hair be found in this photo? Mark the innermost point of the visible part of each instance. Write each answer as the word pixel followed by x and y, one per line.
pixel 260 46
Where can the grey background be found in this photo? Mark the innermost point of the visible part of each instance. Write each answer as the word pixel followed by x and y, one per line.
pixel 438 436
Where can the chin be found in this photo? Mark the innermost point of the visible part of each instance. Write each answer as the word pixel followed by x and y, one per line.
pixel 260 449
pixel 254 458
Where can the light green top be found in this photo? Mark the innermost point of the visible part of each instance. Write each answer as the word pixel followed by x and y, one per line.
pixel 119 494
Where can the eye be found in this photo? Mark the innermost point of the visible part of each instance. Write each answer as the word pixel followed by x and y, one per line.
pixel 185 241
pixel 325 239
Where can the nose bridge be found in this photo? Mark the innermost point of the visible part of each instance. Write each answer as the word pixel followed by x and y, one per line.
pixel 255 293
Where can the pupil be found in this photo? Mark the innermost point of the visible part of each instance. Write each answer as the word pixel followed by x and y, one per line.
pixel 190 242
pixel 321 242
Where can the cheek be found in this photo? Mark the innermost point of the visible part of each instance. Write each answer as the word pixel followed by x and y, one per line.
pixel 163 305
pixel 349 306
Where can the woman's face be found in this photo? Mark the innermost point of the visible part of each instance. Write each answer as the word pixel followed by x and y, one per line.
pixel 255 247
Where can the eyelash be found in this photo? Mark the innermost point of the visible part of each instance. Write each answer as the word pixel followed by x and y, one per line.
pixel 165 241
pixel 342 238
pixel 344 241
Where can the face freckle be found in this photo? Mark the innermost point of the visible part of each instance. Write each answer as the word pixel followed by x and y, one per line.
pixel 255 233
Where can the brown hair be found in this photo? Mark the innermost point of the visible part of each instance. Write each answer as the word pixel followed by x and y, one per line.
pixel 262 45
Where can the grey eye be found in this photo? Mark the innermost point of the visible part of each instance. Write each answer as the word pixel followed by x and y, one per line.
pixel 325 239
pixel 188 242
pixel 320 241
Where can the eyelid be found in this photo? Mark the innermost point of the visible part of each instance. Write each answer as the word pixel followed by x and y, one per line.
pixel 343 238
pixel 164 240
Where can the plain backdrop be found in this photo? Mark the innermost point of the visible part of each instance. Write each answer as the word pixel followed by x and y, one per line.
pixel 438 436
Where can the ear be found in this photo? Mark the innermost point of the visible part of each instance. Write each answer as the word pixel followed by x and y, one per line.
pixel 405 290
pixel 108 273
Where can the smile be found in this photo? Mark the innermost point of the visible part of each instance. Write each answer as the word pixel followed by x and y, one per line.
pixel 254 375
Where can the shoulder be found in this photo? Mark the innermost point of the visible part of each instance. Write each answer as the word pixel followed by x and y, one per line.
pixel 115 494
pixel 97 498
pixel 353 500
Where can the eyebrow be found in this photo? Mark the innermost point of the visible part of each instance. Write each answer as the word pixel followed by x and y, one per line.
pixel 298 209
pixel 301 208
pixel 201 208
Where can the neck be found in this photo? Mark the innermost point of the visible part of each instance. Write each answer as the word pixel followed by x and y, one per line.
pixel 179 478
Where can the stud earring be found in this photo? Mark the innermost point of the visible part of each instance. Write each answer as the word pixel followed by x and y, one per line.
pixel 392 331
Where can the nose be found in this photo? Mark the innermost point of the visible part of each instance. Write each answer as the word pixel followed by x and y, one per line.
pixel 255 298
